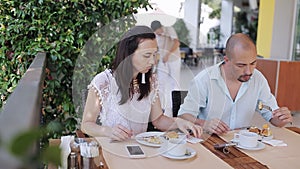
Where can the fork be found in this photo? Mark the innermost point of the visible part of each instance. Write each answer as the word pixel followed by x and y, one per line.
pixel 262 106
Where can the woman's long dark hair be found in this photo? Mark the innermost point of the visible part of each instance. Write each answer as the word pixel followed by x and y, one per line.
pixel 122 66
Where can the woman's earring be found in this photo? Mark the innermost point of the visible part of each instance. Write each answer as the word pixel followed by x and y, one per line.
pixel 143 79
pixel 154 69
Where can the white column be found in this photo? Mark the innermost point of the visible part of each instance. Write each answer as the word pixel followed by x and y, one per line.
pixel 226 21
pixel 283 29
pixel 191 18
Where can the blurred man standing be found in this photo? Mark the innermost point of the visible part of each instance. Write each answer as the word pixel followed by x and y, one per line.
pixel 168 68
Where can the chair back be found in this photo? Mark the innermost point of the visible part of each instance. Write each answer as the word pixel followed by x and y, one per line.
pixel 177 99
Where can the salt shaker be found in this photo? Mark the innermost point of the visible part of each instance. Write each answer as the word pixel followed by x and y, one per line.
pixel 72 161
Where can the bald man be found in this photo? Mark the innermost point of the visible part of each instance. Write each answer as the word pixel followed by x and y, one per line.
pixel 225 96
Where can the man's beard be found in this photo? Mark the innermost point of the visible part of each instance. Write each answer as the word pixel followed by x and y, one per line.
pixel 244 78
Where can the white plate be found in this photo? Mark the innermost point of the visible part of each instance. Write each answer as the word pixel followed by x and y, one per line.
pixel 139 138
pixel 192 151
pixel 259 146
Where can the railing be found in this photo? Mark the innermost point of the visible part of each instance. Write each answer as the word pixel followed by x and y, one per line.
pixel 22 109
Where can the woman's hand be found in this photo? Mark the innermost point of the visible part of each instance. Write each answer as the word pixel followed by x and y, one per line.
pixel 120 133
pixel 185 125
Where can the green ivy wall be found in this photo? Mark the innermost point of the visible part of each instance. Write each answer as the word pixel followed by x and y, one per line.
pixel 61 28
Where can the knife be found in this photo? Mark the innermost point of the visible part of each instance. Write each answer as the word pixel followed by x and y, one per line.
pixel 221 146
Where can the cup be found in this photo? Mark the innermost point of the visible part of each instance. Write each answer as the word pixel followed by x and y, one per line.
pixel 89 152
pixel 177 147
pixel 246 139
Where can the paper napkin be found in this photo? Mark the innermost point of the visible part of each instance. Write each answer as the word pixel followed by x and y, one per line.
pixel 275 143
pixel 65 150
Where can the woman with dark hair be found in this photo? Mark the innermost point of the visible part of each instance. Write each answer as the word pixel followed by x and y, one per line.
pixel 126 95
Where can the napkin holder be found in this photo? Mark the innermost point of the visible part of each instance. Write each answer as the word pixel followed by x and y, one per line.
pixel 65 150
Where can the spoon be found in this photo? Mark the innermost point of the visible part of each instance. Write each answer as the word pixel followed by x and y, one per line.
pixel 188 153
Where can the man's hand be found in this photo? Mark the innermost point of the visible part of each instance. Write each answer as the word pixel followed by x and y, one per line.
pixel 215 126
pixel 281 117
pixel 185 125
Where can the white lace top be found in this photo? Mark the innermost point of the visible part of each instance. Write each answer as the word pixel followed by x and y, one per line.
pixel 133 114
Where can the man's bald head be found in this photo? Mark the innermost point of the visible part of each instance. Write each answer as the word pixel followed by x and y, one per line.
pixel 241 41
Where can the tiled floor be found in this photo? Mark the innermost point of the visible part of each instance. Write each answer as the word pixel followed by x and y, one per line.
pixel 188 73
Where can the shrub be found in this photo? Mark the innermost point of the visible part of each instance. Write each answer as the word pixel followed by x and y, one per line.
pixel 61 28
pixel 182 32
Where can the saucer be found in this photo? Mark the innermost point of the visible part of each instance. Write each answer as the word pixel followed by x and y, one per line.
pixel 192 154
pixel 259 146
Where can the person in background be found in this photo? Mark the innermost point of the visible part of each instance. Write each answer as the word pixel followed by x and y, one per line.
pixel 226 96
pixel 169 64
pixel 126 95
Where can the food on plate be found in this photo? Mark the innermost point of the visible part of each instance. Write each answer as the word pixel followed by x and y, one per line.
pixel 254 129
pixel 153 139
pixel 265 131
pixel 171 135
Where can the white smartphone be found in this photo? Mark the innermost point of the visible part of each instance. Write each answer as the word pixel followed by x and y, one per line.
pixel 135 151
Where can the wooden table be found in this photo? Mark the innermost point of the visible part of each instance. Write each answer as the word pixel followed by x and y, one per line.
pixel 117 157
pixel 235 158
pixel 295 129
